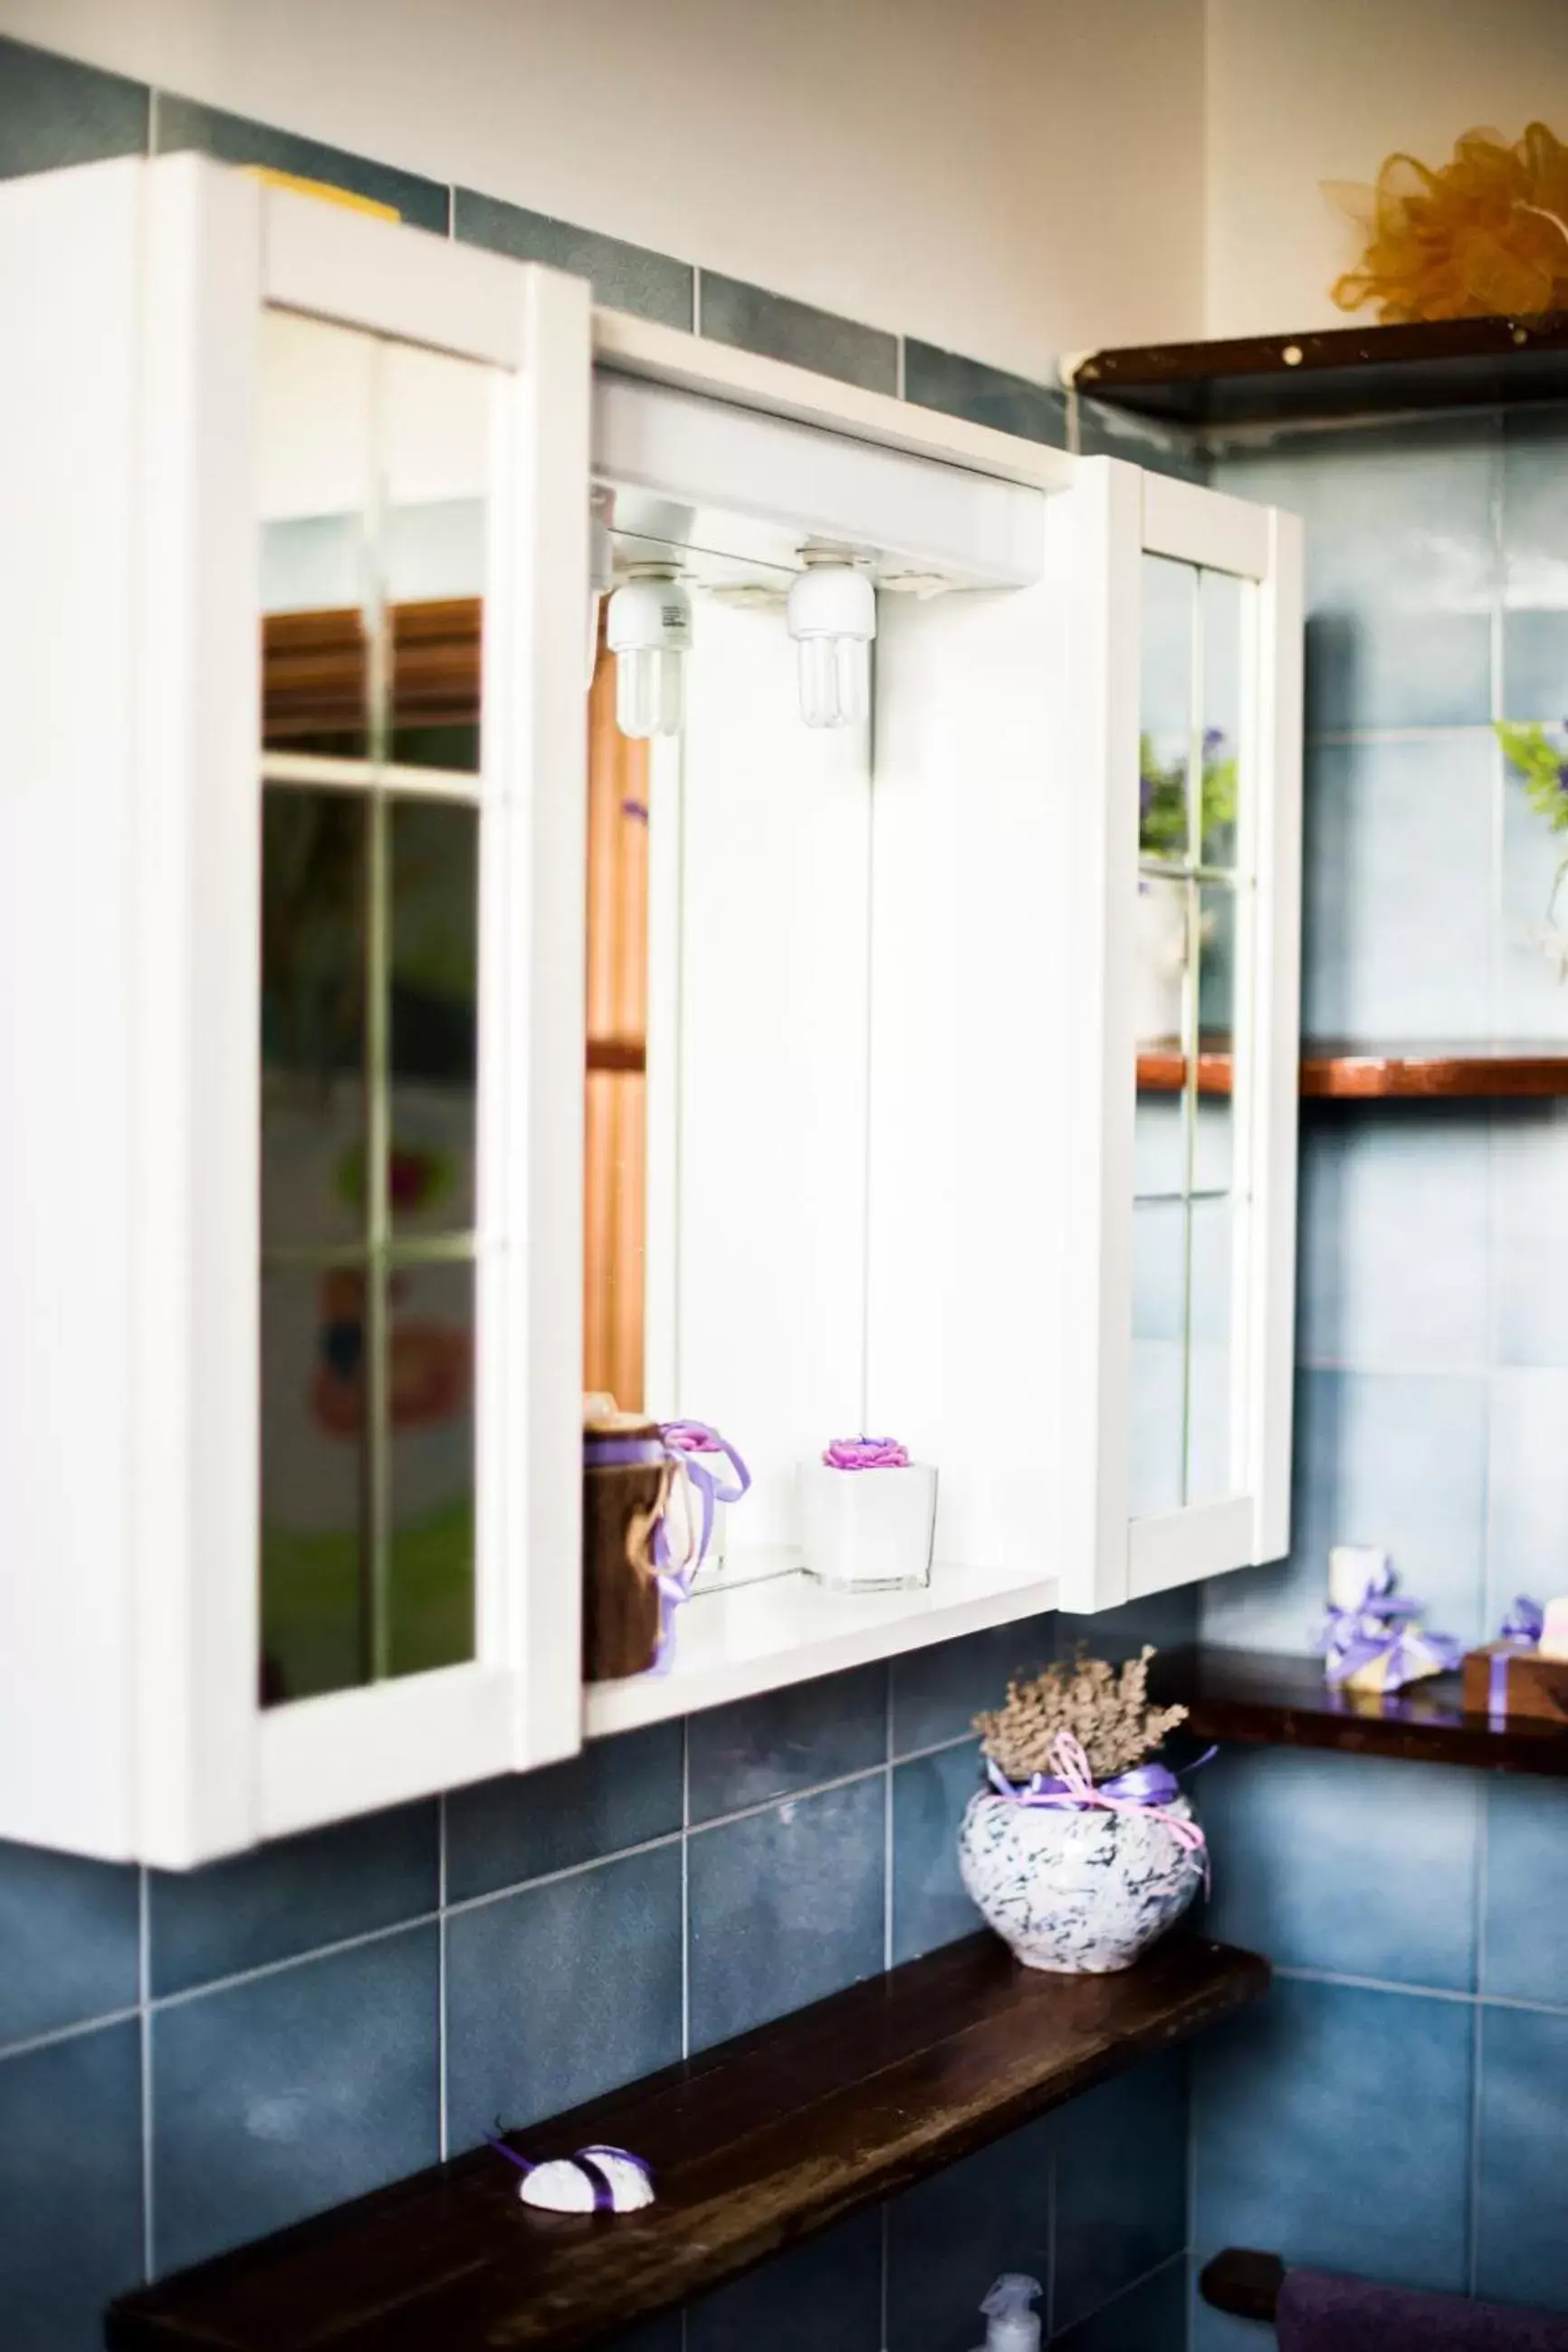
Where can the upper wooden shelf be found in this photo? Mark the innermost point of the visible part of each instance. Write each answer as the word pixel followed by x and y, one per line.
pixel 1336 372
pixel 1351 1073
pixel 752 2145
pixel 1259 1699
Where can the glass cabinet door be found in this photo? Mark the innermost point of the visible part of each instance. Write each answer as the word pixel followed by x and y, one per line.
pixel 376 512
pixel 1193 922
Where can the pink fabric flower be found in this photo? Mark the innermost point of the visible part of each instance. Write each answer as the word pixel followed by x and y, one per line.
pixel 865 1454
pixel 691 1437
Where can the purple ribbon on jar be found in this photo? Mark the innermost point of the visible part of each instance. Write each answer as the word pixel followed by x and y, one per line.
pixel 683 1443
pixel 1150 1789
pixel 865 1454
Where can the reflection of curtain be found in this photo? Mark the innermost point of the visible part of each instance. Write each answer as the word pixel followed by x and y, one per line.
pixel 617 1045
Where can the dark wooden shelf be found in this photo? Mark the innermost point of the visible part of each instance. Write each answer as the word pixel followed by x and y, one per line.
pixel 753 2145
pixel 1254 1698
pixel 1332 1071
pixel 1336 372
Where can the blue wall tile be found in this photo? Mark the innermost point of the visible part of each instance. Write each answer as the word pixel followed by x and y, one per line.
pixel 1121 2185
pixel 938 1692
pixel 785 1906
pixel 71 2187
pixel 185 122
pixel 1151 2317
pixel 1394 1238
pixel 1524 1952
pixel 1534 583
pixel 1398 1460
pixel 825 2293
pixel 1530 1183
pixel 68 1934
pixel 1401 569
pixel 1217 2331
pixel 291 2092
pixel 949 2238
pixel 984 396
pixel 1169 1621
pixel 929 1905
pixel 54 112
pixel 1397 889
pixel 1522 2202
pixel 1529 1488
pixel 562 1991
pixel 617 1793
pixel 756 320
pixel 1529 998
pixel 785 1741
pixel 625 276
pixel 293 1896
pixel 1334 2127
pixel 1358 1865
pixel 1107 431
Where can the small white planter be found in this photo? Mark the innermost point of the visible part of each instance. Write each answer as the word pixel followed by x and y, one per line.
pixel 869 1531
pixel 1079 1893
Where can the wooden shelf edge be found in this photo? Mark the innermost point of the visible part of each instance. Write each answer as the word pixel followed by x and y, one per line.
pixel 753 2145
pixel 1335 371
pixel 1370 1074
pixel 1256 1699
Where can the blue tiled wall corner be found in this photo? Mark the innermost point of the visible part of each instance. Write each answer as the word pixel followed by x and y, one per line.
pixel 55 111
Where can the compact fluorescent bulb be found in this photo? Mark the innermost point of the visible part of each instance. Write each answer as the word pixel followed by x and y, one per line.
pixel 648 628
pixel 832 619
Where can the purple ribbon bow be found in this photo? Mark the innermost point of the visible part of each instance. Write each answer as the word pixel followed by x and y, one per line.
pixel 1524 1621
pixel 1379 1625
pixel 684 1444
pixel 1149 1789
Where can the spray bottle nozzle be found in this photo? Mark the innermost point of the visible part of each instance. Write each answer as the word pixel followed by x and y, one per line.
pixel 1011 2327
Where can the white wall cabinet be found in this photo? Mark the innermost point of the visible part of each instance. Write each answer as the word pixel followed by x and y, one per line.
pixel 970 1057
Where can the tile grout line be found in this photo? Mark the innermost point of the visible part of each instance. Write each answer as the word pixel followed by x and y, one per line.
pixel 443 2141
pixel 885 2256
pixel 72 2032
pixel 1155 2270
pixel 145 2030
pixel 1480 1889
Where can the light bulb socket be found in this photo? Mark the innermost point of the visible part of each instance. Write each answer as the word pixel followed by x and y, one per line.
pixel 832 598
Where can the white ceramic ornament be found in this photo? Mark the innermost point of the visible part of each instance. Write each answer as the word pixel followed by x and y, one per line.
pixel 566 2185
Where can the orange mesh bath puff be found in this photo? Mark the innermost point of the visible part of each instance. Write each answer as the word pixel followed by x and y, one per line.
pixel 1484 233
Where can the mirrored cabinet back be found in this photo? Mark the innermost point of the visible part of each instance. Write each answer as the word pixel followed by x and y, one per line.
pixel 559 860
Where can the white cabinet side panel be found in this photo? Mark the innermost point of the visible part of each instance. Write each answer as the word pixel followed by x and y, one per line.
pixel 194 865
pixel 971 982
pixel 68 282
pixel 774 835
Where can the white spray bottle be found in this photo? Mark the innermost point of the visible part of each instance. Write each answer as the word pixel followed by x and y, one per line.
pixel 1010 2325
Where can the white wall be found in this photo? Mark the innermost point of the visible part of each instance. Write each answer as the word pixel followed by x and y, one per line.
pixel 1300 92
pixel 1009 178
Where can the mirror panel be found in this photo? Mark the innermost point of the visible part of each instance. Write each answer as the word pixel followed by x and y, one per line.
pixel 374 482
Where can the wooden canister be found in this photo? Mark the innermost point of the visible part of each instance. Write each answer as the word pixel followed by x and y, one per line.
pixel 625 1483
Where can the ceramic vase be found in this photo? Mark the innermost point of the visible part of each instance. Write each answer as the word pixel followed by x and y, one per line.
pixel 1082 1894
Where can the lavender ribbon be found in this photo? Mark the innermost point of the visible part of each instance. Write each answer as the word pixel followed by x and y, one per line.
pixel 1149 1789
pixel 1378 1626
pixel 598 2179
pixel 682 1443
pixel 1524 1623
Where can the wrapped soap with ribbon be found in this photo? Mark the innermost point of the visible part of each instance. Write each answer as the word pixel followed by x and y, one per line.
pixel 1370 1639
pixel 1524 1671
pixel 597 2179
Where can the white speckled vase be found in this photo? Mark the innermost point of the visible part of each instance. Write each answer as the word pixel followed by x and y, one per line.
pixel 1079 1893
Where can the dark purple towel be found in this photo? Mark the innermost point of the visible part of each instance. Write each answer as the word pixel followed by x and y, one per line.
pixel 1320 2312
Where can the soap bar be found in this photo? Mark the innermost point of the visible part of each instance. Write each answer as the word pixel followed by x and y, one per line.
pixel 1504 1678
pixel 1352 1569
pixel 1553 1641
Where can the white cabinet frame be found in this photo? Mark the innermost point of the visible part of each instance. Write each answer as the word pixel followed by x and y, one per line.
pixel 1107 1556
pixel 153 1743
